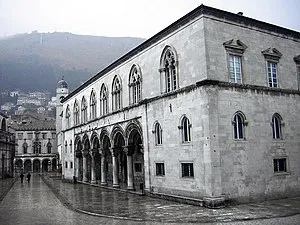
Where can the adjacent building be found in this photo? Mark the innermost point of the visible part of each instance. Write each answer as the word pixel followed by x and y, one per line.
pixel 206 109
pixel 7 148
pixel 36 144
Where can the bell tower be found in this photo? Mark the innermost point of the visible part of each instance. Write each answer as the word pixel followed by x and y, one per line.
pixel 61 92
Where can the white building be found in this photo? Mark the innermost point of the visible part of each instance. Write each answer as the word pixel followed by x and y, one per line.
pixel 207 109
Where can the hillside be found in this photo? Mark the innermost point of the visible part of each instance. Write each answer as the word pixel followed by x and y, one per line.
pixel 36 61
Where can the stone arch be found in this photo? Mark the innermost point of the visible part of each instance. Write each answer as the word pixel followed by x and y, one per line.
pixel 36 165
pixel 106 157
pixel 46 165
pixel 115 134
pixel 136 152
pixel 27 165
pixel 19 165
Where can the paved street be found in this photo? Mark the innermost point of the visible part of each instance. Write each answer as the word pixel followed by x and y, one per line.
pixel 35 203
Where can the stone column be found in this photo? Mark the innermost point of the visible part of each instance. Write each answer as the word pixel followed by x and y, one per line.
pixel 103 168
pixel 129 151
pixel 50 166
pixel 93 173
pixel 85 154
pixel 31 166
pixel 41 169
pixel 77 155
pixel 114 153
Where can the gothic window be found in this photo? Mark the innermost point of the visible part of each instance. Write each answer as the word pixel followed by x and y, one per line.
pixel 37 147
pixel 3 124
pixel 272 56
pixel 158 134
pixel 277 126
pixel 93 105
pixel 83 110
pixel 235 50
pixel 68 117
pixel 25 147
pixel 168 69
pixel 49 147
pixel 116 94
pixel 103 100
pixel 185 127
pixel 239 123
pixel 76 113
pixel 135 81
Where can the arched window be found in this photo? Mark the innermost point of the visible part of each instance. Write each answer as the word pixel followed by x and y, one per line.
pixel 3 124
pixel 239 123
pixel 68 117
pixel 49 147
pixel 76 113
pixel 103 100
pixel 277 126
pixel 135 80
pixel 25 147
pixel 158 134
pixel 83 110
pixel 168 69
pixel 116 94
pixel 93 105
pixel 186 129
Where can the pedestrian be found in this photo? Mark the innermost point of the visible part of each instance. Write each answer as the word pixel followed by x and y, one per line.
pixel 28 177
pixel 22 177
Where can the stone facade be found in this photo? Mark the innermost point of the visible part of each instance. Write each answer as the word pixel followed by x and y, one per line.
pixel 205 109
pixel 7 148
pixel 36 146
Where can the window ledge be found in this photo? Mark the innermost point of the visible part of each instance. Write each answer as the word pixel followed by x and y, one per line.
pixel 188 178
pixel 281 173
pixel 160 176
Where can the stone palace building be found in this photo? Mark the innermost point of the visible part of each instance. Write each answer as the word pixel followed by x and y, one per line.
pixel 207 109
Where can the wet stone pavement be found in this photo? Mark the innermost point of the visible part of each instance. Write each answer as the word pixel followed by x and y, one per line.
pixel 108 203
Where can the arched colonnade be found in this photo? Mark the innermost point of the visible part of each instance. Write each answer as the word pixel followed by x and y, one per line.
pixel 35 165
pixel 115 158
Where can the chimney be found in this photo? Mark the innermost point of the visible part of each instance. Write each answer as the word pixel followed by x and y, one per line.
pixel 240 13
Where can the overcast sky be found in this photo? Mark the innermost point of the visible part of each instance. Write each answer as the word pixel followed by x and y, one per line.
pixel 134 18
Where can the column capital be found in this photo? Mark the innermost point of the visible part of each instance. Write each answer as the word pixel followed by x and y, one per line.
pixel 85 153
pixel 78 154
pixel 115 151
pixel 94 152
pixel 102 152
pixel 129 150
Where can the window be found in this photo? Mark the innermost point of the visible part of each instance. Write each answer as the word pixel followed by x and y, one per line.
pixel 235 65
pixel 276 126
pixel 3 124
pixel 68 117
pixel 83 110
pixel 235 50
pixel 49 147
pixel 186 129
pixel 76 113
pixel 71 146
pixel 168 69
pixel 93 106
pixel 187 169
pixel 66 165
pixel 239 123
pixel 29 136
pixel 66 147
pixel 297 61
pixel 160 169
pixel 272 73
pixel 25 147
pixel 53 135
pixel 138 167
pixel 158 134
pixel 103 100
pixel 37 147
pixel 272 56
pixel 20 136
pixel 116 94
pixel 280 165
pixel 135 85
pixel 44 135
pixel 71 165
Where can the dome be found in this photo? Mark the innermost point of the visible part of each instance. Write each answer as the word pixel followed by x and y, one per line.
pixel 62 84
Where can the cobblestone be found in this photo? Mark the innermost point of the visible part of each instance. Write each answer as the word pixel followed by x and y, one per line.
pixel 114 204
